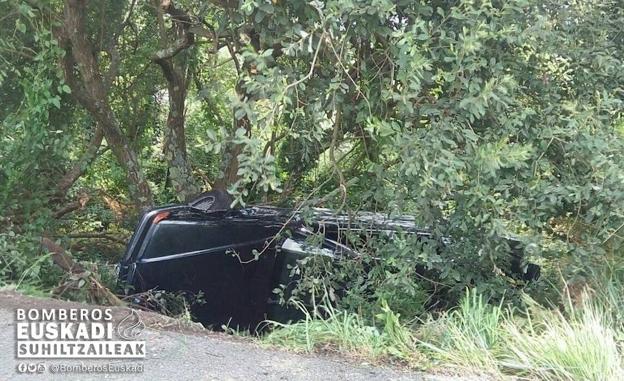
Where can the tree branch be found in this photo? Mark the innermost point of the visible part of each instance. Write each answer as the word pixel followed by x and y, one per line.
pixel 72 206
pixel 170 51
pixel 80 166
pixel 67 64
pixel 113 68
pixel 64 261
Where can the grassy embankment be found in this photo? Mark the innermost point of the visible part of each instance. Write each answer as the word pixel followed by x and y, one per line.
pixel 582 339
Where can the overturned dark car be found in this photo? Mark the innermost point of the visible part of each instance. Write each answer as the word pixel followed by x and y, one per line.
pixel 235 258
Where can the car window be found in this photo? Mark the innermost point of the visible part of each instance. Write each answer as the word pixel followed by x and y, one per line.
pixel 178 237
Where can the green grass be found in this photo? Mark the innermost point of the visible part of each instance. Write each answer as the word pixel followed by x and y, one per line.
pixel 347 333
pixel 468 337
pixel 583 343
pixel 539 343
pixel 581 346
pixel 607 289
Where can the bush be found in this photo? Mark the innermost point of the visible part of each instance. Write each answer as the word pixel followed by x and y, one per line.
pixel 24 265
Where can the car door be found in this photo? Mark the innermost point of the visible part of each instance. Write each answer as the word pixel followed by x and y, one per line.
pixel 215 258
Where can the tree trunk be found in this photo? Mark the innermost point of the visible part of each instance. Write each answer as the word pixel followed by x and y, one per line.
pixel 93 95
pixel 175 144
pixel 229 165
pixel 174 148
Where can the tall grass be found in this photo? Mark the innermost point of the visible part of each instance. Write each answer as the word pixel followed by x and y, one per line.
pixel 540 343
pixel 607 288
pixel 468 337
pixel 584 342
pixel 581 346
pixel 348 333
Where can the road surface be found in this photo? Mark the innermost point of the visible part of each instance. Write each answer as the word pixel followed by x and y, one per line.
pixel 182 351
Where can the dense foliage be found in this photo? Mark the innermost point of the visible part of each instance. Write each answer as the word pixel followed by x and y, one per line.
pixel 482 119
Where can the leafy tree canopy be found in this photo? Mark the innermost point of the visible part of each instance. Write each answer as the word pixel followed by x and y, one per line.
pixel 480 118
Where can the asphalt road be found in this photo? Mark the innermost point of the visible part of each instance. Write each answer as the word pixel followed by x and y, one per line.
pixel 181 351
